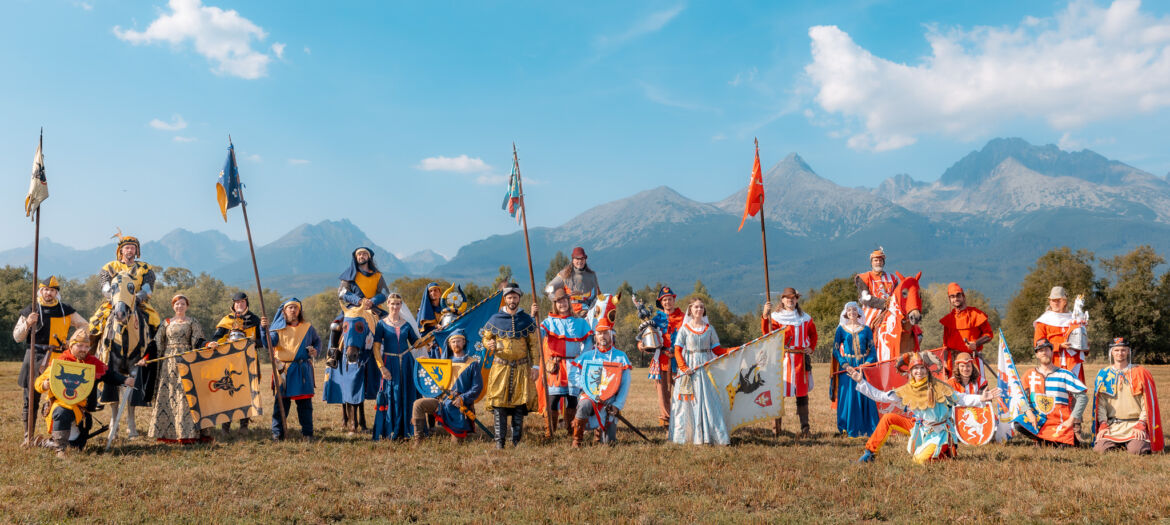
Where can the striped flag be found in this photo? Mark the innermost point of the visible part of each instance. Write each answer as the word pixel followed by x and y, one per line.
pixel 38 187
pixel 513 200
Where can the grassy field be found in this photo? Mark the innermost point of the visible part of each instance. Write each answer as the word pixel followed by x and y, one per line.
pixel 757 479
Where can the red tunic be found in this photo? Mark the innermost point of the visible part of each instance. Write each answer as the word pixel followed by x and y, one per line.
pixel 961 326
pixel 799 334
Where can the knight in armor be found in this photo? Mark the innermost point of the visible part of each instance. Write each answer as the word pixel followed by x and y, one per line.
pixel 362 284
pixel 875 287
pixel 965 330
pixel 598 407
pixel 454 410
pixel 240 323
pixel 49 320
pixel 69 424
pixel 666 322
pixel 1056 393
pixel 430 308
pixel 511 336
pixel 566 336
pixel 142 274
pixel 579 281
pixel 295 343
pixel 1125 405
pixel 929 403
pixel 800 339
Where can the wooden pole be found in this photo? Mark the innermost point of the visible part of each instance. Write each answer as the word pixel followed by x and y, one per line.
pixel 31 425
pixel 764 237
pixel 260 292
pixel 532 282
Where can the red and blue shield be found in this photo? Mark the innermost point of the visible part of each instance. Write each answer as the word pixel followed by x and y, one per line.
pixel 602 379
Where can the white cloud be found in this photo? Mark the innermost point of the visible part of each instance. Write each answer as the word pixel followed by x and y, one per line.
pixel 297 162
pixel 278 50
pixel 743 77
pixel 308 51
pixel 175 124
pixel 223 37
pixel 718 137
pixel 84 5
pixel 179 138
pixel 658 95
pixel 1081 65
pixel 651 23
pixel 460 164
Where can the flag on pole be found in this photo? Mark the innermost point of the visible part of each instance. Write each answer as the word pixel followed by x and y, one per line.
pixel 38 187
pixel 1013 396
pixel 749 381
pixel 755 195
pixel 512 203
pixel 227 188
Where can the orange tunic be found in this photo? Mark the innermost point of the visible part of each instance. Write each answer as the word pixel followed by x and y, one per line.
pixel 961 326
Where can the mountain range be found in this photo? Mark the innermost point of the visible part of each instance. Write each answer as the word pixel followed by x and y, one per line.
pixel 983 223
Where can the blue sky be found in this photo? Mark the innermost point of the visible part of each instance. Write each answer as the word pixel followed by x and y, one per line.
pixel 400 116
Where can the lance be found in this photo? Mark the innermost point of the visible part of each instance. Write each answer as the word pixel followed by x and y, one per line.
pixel 531 281
pixel 764 238
pixel 31 426
pixel 172 356
pixel 260 291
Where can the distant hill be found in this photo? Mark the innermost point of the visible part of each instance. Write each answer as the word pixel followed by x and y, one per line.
pixel 423 261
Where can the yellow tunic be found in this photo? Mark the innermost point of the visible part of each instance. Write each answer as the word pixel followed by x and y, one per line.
pixel 1124 411
pixel 508 384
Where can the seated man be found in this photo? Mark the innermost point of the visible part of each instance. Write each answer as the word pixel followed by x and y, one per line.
pixel 929 401
pixel 1058 395
pixel 1125 405
pixel 142 275
pixel 599 404
pixel 454 409
pixel 68 424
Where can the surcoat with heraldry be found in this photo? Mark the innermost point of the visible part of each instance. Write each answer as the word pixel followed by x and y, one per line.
pixel 517 351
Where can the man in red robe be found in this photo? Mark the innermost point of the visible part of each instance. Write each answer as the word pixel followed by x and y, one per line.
pixel 965 329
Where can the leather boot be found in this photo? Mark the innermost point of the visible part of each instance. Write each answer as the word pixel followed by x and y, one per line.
pixel 802 412
pixel 568 417
pixel 578 429
pixel 421 431
pixel 500 427
pixel 776 424
pixel 550 424
pixel 60 442
pixel 517 427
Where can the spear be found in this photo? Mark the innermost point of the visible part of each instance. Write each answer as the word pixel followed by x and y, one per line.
pixel 32 331
pixel 531 280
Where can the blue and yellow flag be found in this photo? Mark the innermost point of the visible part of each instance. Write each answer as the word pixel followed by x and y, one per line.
pixel 227 188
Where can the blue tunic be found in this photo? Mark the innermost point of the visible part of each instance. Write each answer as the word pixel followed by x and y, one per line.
pixel 577 378
pixel 857 415
pixel 298 378
pixel 396 395
pixel 467 387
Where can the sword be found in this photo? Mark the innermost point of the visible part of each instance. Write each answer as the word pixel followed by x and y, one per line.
pixel 467 413
pixel 620 417
pixel 126 395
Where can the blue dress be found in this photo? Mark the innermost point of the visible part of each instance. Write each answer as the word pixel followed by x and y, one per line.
pixel 396 396
pixel 857 415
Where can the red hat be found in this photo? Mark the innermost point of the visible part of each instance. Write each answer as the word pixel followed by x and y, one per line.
pixel 912 359
pixel 579 253
pixel 954 289
pixel 879 253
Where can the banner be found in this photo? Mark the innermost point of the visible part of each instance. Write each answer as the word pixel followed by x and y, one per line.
pixel 221 383
pixel 749 381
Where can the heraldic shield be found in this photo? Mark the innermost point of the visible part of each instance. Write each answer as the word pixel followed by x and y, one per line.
pixel 70 381
pixel 602 379
pixel 221 383
pixel 432 376
pixel 1044 404
pixel 975 425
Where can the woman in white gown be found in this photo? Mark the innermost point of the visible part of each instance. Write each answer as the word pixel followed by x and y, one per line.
pixel 696 416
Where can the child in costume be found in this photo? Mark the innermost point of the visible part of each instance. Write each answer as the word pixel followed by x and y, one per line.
pixel 69 424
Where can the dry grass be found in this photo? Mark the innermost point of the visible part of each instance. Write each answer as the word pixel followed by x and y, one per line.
pixel 758 479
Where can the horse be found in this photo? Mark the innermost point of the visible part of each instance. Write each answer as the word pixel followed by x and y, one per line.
pixel 351 373
pixel 894 329
pixel 605 307
pixel 126 339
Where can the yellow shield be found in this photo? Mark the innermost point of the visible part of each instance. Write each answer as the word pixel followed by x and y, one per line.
pixel 1044 404
pixel 70 381
pixel 221 384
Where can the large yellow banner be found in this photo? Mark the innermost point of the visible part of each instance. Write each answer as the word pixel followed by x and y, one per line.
pixel 221 384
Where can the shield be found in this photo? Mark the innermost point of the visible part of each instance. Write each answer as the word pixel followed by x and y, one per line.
pixel 70 381
pixel 975 425
pixel 221 384
pixel 1044 404
pixel 602 379
pixel 432 376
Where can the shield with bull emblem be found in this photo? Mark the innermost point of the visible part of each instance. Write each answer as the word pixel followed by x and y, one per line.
pixel 432 376
pixel 602 379
pixel 975 425
pixel 70 381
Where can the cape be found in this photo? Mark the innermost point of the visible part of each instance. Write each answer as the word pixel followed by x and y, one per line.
pixel 1142 380
pixel 925 397
pixel 1051 318
pixel 510 326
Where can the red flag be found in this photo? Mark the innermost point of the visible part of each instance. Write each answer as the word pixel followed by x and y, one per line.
pixel 755 196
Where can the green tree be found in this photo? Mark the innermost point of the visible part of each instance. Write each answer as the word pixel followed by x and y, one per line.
pixel 558 263
pixel 936 304
pixel 1058 267
pixel 16 292
pixel 504 276
pixel 1133 308
pixel 824 306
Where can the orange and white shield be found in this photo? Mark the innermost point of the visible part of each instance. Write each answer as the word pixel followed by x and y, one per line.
pixel 975 425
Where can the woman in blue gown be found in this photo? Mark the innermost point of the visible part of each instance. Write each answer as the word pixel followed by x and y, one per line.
pixel 853 346
pixel 393 338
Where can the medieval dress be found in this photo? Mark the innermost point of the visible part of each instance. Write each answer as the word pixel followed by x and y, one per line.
pixel 291 345
pixel 857 415
pixel 357 284
pixel 517 347
pixel 395 396
pixel 172 413
pixel 428 312
pixel 695 414
pixel 49 338
pixel 931 426
pixel 800 333
pixel 662 366
pixel 590 408
pixel 74 420
pixel 581 285
pixel 356 381
pixel 1126 401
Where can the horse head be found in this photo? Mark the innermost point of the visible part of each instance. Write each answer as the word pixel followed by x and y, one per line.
pixel 122 298
pixel 908 297
pixel 356 334
pixel 604 309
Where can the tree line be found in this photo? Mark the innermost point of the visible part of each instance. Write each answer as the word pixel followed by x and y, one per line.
pixel 1125 296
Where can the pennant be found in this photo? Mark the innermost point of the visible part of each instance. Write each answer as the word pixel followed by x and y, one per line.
pixel 38 187
pixel 749 381
pixel 1014 396
pixel 221 384
pixel 227 188
pixel 513 201
pixel 755 195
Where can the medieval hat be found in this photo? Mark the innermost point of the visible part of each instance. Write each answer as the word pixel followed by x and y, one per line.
pixel 1042 344
pixel 663 292
pixel 954 289
pixel 456 334
pixel 579 253
pixel 910 360
pixel 879 253
pixel 965 357
pixel 558 294
pixel 240 296
pixel 51 282
pixel 790 292
pixel 1057 293
pixel 508 288
pixel 123 240
pixel 1119 342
